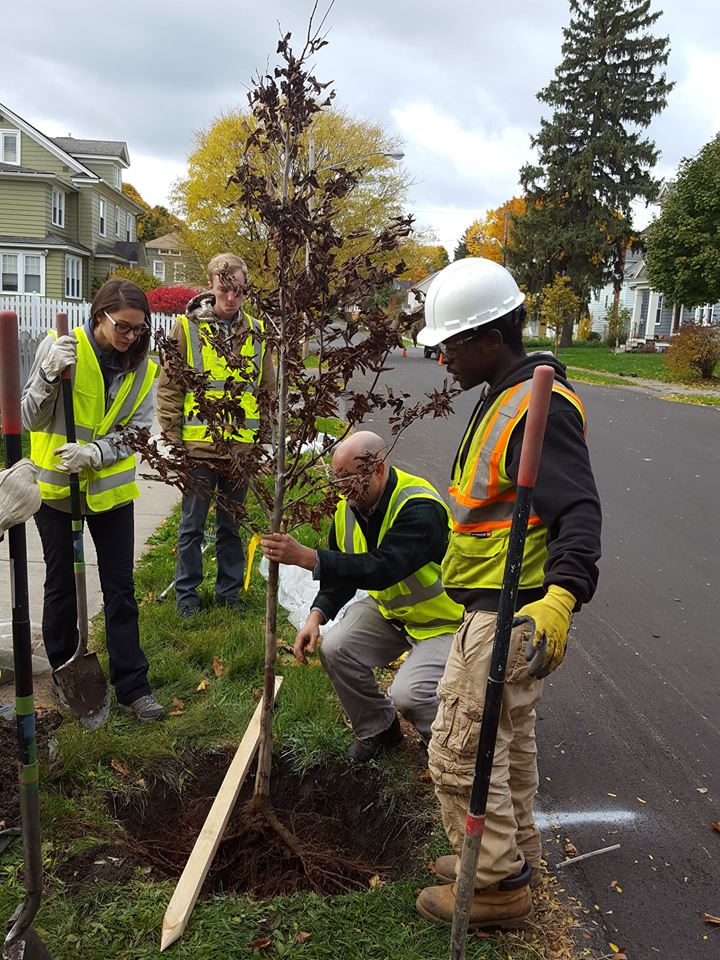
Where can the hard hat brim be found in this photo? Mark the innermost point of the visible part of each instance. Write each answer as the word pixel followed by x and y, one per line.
pixel 429 338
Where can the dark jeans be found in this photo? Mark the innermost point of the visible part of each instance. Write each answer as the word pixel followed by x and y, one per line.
pixel 228 543
pixel 113 534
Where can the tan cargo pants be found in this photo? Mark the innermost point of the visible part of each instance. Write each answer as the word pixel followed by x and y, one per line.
pixel 510 833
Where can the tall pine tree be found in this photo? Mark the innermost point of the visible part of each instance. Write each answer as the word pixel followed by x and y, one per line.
pixel 593 160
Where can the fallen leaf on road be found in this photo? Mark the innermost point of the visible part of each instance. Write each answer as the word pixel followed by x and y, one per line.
pixel 218 667
pixel 616 886
pixel 612 795
pixel 120 767
pixel 702 789
pixel 716 826
pixel 641 799
pixel 709 918
pixel 571 850
pixel 303 937
pixel 203 685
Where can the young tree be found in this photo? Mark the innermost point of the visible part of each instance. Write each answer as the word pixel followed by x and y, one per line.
pixel 593 161
pixel 307 283
pixel 560 306
pixel 461 250
pixel 683 243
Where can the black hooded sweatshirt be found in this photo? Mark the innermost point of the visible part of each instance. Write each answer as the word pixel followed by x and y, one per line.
pixel 565 496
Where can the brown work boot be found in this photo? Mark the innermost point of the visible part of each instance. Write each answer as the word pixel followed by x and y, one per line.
pixel 508 906
pixel 444 869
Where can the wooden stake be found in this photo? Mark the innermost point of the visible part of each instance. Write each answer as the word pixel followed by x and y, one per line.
pixel 586 856
pixel 196 869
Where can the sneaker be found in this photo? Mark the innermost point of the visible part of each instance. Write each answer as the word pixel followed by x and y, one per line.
pixel 145 709
pixel 188 610
pixel 363 750
pixel 230 603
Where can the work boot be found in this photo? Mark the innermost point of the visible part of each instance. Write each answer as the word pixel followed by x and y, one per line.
pixel 145 709
pixel 444 869
pixel 187 611
pixel 505 906
pixel 363 750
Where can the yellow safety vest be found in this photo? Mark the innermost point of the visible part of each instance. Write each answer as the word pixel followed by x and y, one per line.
pixel 419 601
pixel 106 487
pixel 482 500
pixel 202 356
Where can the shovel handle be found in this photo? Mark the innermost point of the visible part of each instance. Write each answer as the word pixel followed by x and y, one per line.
pixel 10 379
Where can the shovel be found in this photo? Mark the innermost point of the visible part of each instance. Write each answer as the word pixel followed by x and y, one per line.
pixel 21 942
pixel 81 682
pixel 475 822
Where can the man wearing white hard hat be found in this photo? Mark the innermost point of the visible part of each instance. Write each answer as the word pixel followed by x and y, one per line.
pixel 475 309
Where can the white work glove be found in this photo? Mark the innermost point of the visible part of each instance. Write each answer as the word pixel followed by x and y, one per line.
pixel 19 494
pixel 62 354
pixel 76 457
pixel 167 451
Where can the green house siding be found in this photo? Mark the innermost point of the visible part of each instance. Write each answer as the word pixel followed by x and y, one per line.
pixel 55 275
pixel 24 208
pixel 35 156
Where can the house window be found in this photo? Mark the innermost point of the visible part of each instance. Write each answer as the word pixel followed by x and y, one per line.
pixel 10 146
pixel 118 222
pixel 118 177
pixel 73 277
pixel 33 273
pixel 158 269
pixel 130 227
pixel 22 272
pixel 58 207
pixel 178 272
pixel 101 217
pixel 10 273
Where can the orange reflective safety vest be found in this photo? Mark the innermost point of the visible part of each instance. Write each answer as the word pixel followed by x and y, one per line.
pixel 482 499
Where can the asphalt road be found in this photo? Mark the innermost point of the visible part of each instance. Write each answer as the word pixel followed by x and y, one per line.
pixel 629 727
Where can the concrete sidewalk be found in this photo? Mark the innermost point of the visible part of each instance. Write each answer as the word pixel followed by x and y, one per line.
pixel 156 500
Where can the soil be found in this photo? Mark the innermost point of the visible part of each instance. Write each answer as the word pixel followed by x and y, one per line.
pixel 335 832
pixel 47 721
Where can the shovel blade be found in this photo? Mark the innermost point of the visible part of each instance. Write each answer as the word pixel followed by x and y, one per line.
pixel 29 947
pixel 84 690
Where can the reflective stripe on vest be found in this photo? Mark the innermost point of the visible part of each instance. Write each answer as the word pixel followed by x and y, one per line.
pixel 483 498
pixel 108 486
pixel 482 495
pixel 419 601
pixel 202 357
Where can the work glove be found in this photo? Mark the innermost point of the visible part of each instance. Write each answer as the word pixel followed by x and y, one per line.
pixel 19 494
pixel 550 621
pixel 171 453
pixel 76 457
pixel 62 354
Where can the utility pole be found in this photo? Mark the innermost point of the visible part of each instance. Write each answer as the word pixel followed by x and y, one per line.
pixel 505 239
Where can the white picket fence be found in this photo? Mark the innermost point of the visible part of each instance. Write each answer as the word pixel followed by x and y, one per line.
pixel 37 314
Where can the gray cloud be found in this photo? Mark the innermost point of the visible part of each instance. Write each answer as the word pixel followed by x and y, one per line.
pixel 153 74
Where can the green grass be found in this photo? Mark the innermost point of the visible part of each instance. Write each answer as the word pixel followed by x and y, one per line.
pixel 123 921
pixel 648 366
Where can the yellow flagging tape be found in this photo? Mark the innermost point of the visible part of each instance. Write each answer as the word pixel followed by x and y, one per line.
pixel 252 547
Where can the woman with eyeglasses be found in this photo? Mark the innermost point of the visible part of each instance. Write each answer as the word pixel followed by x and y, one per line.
pixel 112 391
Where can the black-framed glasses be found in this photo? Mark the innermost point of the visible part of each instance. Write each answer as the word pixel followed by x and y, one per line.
pixel 460 339
pixel 128 329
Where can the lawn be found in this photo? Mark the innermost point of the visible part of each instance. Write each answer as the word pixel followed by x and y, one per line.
pixel 648 366
pixel 104 902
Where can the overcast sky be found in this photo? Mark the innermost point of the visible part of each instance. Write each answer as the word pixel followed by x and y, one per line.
pixel 455 80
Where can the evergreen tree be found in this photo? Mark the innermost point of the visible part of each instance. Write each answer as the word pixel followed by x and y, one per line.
pixel 461 250
pixel 592 158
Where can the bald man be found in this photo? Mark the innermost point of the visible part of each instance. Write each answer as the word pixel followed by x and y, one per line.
pixel 389 537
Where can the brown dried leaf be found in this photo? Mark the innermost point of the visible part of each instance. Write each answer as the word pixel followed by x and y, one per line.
pixel 571 850
pixel 120 767
pixel 141 783
pixel 376 882
pixel 303 937
pixel 257 695
pixel 203 685
pixel 218 667
pixel 262 943
pixel 716 825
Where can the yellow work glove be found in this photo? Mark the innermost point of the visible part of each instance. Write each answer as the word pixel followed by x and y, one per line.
pixel 550 619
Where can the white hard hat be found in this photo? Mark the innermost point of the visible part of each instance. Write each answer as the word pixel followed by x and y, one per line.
pixel 467 294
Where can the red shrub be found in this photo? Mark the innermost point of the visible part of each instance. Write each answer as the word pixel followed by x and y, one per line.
pixel 170 300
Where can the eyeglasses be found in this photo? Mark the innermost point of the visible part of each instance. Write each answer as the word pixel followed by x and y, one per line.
pixel 127 329
pixel 460 339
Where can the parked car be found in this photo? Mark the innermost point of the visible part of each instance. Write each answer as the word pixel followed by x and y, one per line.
pixel 433 352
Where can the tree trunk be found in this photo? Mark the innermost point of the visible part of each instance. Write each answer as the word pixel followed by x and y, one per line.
pixel 677 311
pixel 566 333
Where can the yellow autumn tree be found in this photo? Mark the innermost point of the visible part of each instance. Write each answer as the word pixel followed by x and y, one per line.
pixel 422 259
pixel 491 237
pixel 203 198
